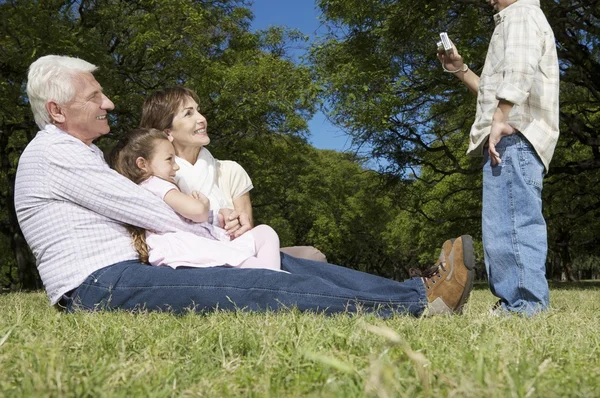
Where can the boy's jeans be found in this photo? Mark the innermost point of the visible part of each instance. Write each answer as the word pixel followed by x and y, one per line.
pixel 310 285
pixel 513 227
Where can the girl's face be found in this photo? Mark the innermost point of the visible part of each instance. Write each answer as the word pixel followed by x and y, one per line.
pixel 189 126
pixel 162 162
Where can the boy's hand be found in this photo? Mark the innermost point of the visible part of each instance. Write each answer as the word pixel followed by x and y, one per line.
pixel 500 128
pixel 451 60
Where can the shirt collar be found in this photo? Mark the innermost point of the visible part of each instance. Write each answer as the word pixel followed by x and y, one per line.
pixel 51 128
pixel 500 16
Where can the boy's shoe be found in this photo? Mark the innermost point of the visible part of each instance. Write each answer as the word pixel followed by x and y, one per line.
pixel 449 285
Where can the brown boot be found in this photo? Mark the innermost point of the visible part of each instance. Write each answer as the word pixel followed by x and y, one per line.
pixel 448 287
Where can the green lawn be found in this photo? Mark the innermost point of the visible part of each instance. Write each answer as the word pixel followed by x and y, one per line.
pixel 556 354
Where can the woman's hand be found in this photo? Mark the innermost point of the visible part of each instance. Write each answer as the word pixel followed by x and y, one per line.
pixel 236 224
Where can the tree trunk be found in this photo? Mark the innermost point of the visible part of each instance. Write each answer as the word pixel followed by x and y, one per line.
pixel 567 264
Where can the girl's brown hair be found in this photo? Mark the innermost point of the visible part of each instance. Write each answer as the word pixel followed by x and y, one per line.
pixel 139 142
pixel 161 106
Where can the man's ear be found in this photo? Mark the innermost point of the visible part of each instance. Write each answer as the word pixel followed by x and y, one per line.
pixel 56 113
pixel 141 163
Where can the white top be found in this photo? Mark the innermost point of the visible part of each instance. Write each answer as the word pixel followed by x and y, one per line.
pixel 221 181
pixel 521 67
pixel 72 209
pixel 180 248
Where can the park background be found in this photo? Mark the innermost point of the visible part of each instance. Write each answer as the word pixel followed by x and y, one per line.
pixel 366 71
pixel 368 75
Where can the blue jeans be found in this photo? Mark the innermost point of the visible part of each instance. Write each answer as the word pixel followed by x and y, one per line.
pixel 310 285
pixel 513 227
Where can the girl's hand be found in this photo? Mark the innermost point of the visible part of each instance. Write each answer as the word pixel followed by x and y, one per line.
pixel 201 197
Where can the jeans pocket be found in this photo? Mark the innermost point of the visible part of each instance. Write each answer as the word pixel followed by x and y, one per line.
pixel 532 167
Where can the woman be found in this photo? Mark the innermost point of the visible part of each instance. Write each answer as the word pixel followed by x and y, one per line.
pixel 224 183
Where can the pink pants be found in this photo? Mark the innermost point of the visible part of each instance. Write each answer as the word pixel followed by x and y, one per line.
pixel 267 249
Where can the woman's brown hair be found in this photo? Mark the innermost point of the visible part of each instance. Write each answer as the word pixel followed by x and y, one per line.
pixel 139 142
pixel 161 106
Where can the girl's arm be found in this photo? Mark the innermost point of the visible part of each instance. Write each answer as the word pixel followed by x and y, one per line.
pixel 195 208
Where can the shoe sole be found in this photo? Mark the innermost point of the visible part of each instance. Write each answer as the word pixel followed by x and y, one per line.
pixel 469 261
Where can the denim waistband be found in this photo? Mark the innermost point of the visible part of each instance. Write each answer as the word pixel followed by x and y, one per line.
pixel 510 140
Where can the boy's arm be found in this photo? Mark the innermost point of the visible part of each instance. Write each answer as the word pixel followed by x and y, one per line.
pixel 453 62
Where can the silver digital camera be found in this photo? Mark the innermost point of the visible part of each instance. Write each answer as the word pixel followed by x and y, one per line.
pixel 444 44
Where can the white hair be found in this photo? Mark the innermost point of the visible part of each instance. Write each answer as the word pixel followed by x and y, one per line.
pixel 50 78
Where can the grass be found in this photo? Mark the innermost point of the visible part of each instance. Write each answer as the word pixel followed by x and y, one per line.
pixel 47 353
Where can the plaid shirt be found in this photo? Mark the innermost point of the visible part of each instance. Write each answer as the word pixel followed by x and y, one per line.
pixel 521 67
pixel 72 209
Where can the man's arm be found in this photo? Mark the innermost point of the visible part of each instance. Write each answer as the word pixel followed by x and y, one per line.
pixel 85 179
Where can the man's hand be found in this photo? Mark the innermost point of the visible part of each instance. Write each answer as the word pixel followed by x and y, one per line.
pixel 236 224
pixel 500 128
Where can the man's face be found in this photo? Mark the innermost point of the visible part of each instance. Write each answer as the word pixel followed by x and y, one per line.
pixel 86 114
pixel 500 5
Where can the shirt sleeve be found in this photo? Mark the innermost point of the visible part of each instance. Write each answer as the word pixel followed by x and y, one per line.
pixel 79 175
pixel 158 186
pixel 233 179
pixel 523 45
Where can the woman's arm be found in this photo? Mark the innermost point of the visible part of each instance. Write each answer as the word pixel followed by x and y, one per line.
pixel 242 204
pixel 193 208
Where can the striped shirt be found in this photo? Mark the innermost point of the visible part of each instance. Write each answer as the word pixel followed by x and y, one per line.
pixel 72 209
pixel 521 67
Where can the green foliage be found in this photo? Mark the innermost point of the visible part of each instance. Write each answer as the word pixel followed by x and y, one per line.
pixel 385 87
pixel 248 87
pixel 374 72
pixel 322 198
pixel 290 354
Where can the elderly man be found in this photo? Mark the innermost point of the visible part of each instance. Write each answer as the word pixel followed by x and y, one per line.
pixel 516 130
pixel 73 210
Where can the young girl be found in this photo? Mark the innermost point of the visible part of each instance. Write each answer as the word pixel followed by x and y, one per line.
pixel 147 157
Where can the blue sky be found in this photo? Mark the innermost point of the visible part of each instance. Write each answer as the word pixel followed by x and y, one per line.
pixel 302 15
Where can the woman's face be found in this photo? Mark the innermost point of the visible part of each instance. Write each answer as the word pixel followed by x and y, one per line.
pixel 189 126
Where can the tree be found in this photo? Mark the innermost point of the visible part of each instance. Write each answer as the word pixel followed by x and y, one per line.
pixel 384 86
pixel 142 46
pixel 322 198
